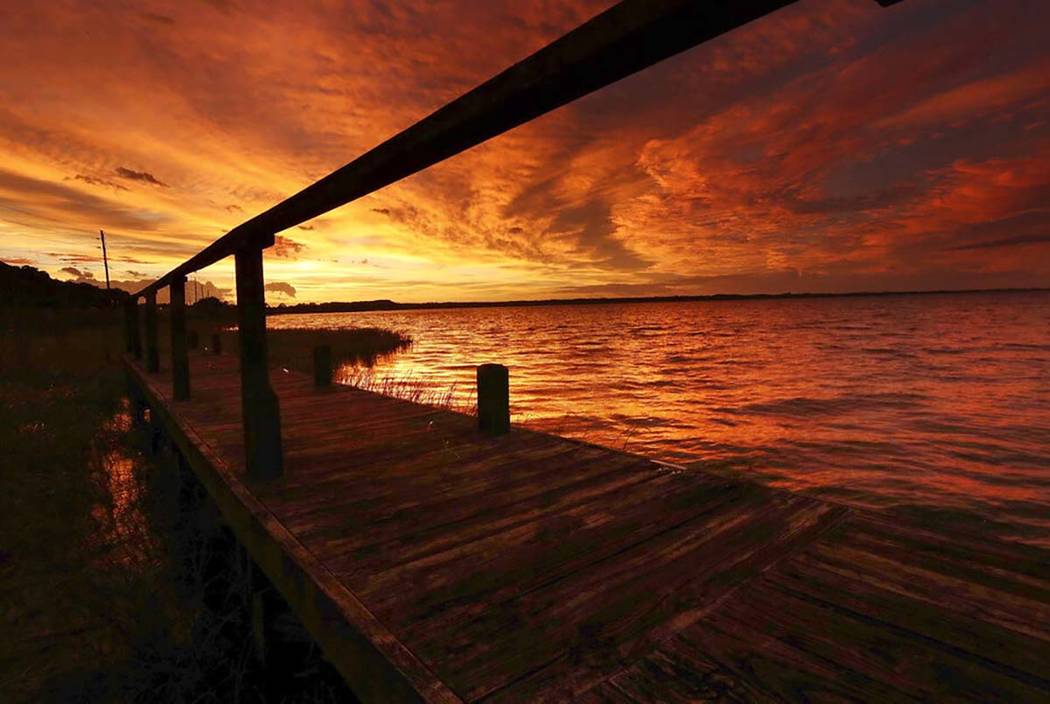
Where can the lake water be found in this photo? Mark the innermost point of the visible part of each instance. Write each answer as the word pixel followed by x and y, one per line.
pixel 936 407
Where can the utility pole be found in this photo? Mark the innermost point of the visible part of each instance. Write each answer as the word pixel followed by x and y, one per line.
pixel 105 259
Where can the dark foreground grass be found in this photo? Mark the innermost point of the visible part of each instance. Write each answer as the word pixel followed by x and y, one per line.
pixel 118 580
pixel 57 393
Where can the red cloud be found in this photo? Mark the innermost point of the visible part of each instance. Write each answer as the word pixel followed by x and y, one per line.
pixel 832 138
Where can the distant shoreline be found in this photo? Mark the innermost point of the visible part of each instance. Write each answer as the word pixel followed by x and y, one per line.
pixel 389 305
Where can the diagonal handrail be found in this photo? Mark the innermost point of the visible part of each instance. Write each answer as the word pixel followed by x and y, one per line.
pixel 626 38
pixel 623 40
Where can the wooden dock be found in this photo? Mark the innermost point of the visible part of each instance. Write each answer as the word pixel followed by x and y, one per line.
pixel 435 563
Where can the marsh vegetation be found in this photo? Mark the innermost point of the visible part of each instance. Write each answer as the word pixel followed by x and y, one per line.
pixel 119 580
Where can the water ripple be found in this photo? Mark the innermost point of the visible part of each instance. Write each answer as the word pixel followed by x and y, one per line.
pixel 936 407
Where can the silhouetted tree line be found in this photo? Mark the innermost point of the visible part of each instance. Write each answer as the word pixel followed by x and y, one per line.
pixel 212 307
pixel 27 287
pixel 386 304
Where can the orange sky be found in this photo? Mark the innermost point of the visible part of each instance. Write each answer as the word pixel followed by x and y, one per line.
pixel 832 146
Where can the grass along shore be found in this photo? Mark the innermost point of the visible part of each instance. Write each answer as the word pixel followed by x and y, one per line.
pixel 292 348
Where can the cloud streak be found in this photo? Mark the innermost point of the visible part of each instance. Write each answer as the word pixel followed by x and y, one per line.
pixel 77 273
pixel 829 146
pixel 144 176
pixel 282 288
pixel 286 247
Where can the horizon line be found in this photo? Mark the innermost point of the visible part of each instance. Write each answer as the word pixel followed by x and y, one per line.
pixel 381 304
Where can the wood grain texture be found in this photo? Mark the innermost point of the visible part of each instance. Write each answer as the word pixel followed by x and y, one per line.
pixel 435 563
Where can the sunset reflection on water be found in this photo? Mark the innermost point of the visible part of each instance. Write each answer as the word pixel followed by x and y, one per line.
pixel 126 533
pixel 936 406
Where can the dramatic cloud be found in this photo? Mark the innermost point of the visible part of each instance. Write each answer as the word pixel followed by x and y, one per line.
pixel 144 176
pixel 281 287
pixel 97 181
pixel 77 273
pixel 199 290
pixel 287 247
pixel 833 145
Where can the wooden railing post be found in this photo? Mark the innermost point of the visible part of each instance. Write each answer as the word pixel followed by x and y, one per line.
pixel 216 343
pixel 180 361
pixel 132 344
pixel 261 413
pixel 152 353
pixel 128 321
pixel 136 339
pixel 493 399
pixel 322 366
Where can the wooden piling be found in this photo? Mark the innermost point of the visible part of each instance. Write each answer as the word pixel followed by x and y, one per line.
pixel 260 411
pixel 136 404
pixel 493 399
pixel 152 353
pixel 180 362
pixel 155 431
pixel 322 366
pixel 131 328
pixel 136 339
pixel 265 607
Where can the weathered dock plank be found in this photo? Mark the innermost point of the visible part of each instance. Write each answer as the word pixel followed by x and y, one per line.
pixel 435 563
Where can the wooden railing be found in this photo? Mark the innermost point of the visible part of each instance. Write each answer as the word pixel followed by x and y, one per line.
pixel 626 38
